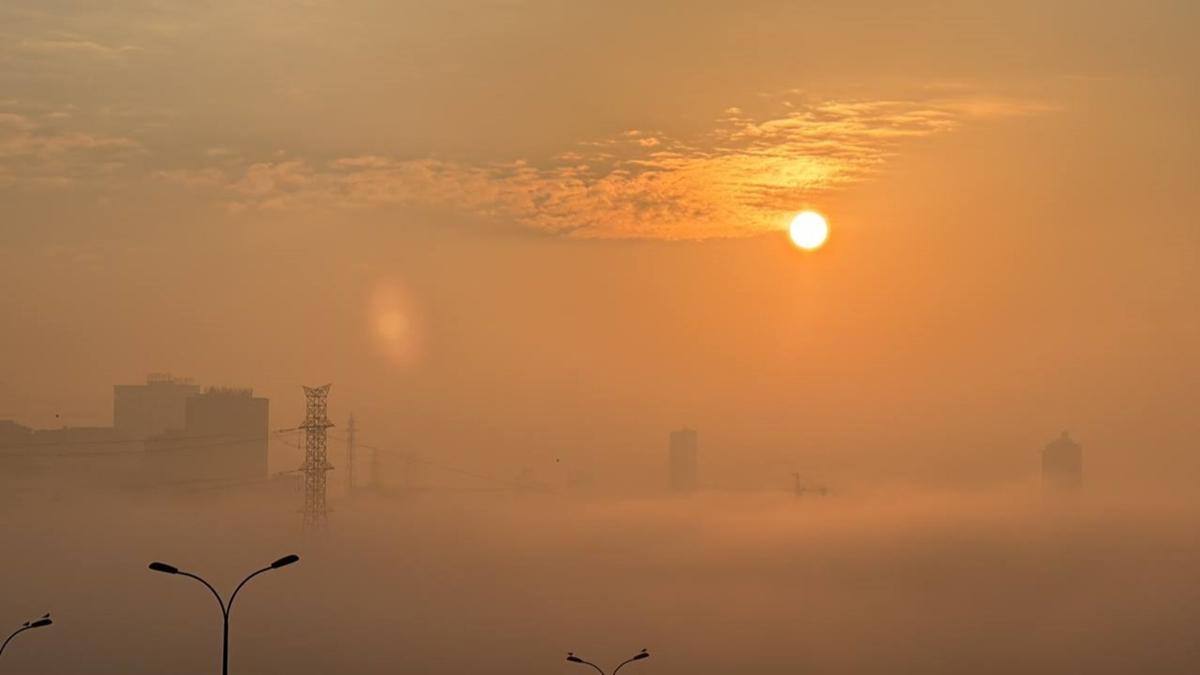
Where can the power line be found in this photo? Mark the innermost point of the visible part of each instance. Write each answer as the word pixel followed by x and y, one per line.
pixel 231 440
pixel 123 441
pixel 428 462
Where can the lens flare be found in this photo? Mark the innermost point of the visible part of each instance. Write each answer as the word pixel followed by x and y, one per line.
pixel 391 319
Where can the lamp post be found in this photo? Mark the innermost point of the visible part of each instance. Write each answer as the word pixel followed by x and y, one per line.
pixel 636 657
pixel 28 625
pixel 225 606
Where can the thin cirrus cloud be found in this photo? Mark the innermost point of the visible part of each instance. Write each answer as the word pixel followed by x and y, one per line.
pixel 34 152
pixel 743 177
pixel 66 44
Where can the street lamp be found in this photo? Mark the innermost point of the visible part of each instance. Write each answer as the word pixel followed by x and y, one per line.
pixel 225 607
pixel 636 657
pixel 28 625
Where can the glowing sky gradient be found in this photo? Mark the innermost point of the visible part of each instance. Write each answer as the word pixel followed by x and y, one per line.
pixel 511 214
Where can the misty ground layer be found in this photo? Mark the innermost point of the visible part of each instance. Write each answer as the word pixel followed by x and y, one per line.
pixel 998 582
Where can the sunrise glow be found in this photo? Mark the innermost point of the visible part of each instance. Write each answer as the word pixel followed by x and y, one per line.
pixel 809 230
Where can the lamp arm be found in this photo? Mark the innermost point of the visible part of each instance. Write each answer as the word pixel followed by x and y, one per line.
pixel 10 637
pixel 239 587
pixel 592 665
pixel 224 611
pixel 623 665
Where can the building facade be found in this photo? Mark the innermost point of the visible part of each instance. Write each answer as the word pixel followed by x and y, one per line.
pixel 223 440
pixel 153 408
pixel 166 433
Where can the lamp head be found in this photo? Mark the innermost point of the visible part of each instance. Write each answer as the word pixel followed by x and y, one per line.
pixel 285 561
pixel 41 622
pixel 642 655
pixel 164 568
pixel 572 658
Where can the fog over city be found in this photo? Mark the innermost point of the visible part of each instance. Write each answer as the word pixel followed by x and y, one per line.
pixel 941 582
pixel 766 337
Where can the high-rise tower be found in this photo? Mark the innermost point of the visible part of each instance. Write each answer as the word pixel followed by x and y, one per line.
pixel 1062 463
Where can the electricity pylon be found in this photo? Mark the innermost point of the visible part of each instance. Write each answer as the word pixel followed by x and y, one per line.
pixel 316 463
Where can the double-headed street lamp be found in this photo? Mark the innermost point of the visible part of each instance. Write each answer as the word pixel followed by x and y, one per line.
pixel 636 657
pixel 225 607
pixel 28 625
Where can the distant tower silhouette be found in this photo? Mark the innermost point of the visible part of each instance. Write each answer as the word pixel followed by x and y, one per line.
pixel 316 463
pixel 1062 463
pixel 350 429
pixel 683 460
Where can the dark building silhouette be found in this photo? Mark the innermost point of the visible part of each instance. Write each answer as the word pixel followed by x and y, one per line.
pixel 1062 463
pixel 683 460
pixel 13 435
pixel 145 410
pixel 165 433
pixel 73 455
pixel 223 439
pixel 15 459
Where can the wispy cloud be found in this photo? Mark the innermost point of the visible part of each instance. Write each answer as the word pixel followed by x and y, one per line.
pixel 742 177
pixel 59 44
pixel 36 153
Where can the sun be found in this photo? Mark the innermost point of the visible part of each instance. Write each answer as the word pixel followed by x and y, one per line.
pixel 809 230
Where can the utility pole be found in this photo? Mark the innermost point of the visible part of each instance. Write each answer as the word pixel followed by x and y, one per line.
pixel 316 463
pixel 350 429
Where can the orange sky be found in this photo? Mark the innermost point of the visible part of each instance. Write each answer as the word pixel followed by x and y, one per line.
pixel 515 230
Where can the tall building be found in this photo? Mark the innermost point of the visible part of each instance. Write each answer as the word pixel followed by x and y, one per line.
pixel 153 408
pixel 223 439
pixel 166 432
pixel 237 417
pixel 683 460
pixel 1062 463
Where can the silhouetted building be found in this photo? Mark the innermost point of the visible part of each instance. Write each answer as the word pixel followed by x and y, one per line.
pixel 223 440
pixel 683 460
pixel 165 433
pixel 16 458
pixel 1062 463
pixel 14 436
pixel 98 456
pixel 145 410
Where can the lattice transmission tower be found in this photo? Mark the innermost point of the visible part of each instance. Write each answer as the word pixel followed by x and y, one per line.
pixel 316 463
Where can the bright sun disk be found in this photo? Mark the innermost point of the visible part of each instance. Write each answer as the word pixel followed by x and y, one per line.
pixel 809 230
